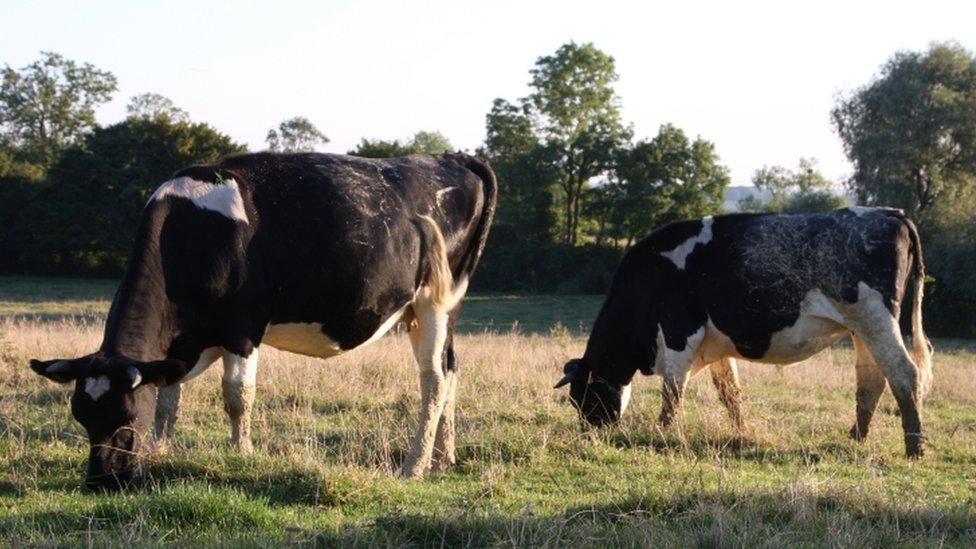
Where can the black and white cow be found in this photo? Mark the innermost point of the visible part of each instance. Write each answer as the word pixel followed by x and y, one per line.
pixel 767 288
pixel 315 254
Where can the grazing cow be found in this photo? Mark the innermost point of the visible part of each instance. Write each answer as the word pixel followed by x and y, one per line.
pixel 316 254
pixel 767 288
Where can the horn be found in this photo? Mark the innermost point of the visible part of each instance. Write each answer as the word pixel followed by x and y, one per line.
pixel 59 367
pixel 570 370
pixel 135 376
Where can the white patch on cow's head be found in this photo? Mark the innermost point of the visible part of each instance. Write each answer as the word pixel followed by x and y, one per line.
pixel 224 198
pixel 625 397
pixel 97 386
pixel 680 254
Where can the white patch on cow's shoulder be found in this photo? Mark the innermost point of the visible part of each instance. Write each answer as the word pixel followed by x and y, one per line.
pixel 224 198
pixel 97 386
pixel 680 254
pixel 668 358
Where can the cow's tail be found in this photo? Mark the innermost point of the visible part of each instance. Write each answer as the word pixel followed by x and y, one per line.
pixel 921 347
pixel 490 189
pixel 440 281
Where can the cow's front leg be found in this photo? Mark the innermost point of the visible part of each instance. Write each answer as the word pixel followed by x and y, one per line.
pixel 169 398
pixel 725 377
pixel 675 379
pixel 167 412
pixel 238 387
pixel 428 335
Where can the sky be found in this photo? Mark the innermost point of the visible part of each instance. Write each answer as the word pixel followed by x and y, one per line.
pixel 758 79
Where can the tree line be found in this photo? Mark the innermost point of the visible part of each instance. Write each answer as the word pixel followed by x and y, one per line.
pixel 578 187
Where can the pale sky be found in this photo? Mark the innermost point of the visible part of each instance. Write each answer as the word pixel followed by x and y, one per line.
pixel 756 78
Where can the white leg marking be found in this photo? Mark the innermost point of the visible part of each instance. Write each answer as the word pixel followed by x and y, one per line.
pixel 428 339
pixel 625 395
pixel 222 198
pixel 240 375
pixel 680 254
pixel 675 368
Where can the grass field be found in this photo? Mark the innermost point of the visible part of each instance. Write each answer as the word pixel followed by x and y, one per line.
pixel 329 434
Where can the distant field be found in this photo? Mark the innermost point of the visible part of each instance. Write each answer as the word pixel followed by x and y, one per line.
pixel 329 434
pixel 56 298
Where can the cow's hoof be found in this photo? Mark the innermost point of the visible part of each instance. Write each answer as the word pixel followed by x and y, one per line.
pixel 411 473
pixel 858 434
pixel 443 464
pixel 914 445
pixel 243 446
pixel 160 447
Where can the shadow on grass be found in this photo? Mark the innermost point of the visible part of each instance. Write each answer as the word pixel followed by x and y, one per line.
pixel 288 485
pixel 706 519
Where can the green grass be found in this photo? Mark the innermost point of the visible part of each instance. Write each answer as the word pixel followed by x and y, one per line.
pixel 328 435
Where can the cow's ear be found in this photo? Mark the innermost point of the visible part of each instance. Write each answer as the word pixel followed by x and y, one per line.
pixel 62 370
pixel 571 371
pixel 159 372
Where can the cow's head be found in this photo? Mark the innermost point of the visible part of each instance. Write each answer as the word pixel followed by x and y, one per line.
pixel 599 401
pixel 115 401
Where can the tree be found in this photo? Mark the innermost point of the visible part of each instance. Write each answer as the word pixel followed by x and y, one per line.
pixel 50 104
pixel 911 132
pixel 296 134
pixel 151 106
pixel 577 115
pixel 431 142
pixel 378 148
pixel 103 184
pixel 804 190
pixel 519 159
pixel 667 179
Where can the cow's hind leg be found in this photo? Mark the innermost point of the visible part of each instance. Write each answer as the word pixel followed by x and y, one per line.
pixel 870 384
pixel 725 377
pixel 878 328
pixel 428 335
pixel 444 445
pixel 240 375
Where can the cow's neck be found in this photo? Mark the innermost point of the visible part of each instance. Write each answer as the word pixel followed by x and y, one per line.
pixel 618 346
pixel 140 322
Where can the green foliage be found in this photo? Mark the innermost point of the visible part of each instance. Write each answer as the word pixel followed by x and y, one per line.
pixel 296 134
pixel 151 106
pixel 805 190
pixel 523 164
pixel 378 148
pixel 431 142
pixel 50 104
pixel 911 132
pixel 577 117
pixel 423 142
pixel 667 179
pixel 84 215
